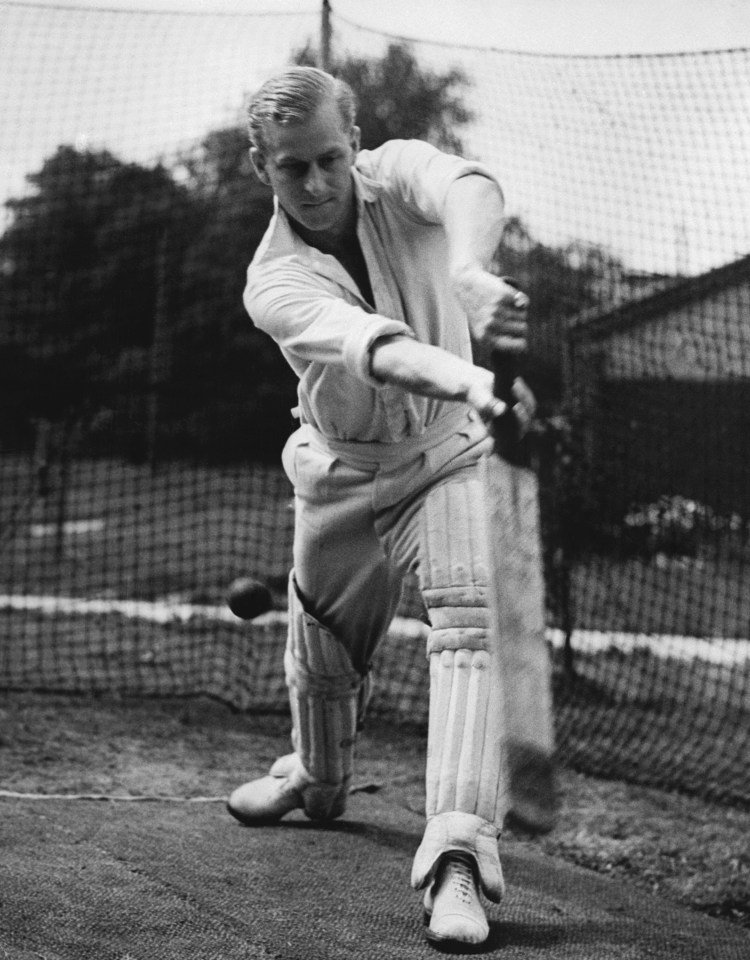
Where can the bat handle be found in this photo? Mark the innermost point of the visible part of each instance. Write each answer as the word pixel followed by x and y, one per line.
pixel 504 368
pixel 506 428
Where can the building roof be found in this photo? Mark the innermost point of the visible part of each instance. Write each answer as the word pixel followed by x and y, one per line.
pixel 597 324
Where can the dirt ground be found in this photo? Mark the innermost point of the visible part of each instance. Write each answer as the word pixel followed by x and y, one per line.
pixel 693 853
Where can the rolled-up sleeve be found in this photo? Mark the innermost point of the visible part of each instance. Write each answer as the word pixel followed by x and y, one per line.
pixel 312 324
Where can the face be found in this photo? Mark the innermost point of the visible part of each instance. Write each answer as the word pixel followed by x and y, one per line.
pixel 308 166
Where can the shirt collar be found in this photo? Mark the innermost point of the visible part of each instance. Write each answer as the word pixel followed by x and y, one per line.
pixel 285 242
pixel 365 189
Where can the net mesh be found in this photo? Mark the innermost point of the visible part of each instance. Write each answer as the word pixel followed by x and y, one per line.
pixel 142 415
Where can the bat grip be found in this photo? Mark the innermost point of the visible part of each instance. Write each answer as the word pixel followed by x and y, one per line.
pixel 506 428
pixel 504 368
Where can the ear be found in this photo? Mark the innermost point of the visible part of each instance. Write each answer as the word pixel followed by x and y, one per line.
pixel 355 139
pixel 259 165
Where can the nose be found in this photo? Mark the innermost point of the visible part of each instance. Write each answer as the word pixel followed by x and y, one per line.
pixel 314 181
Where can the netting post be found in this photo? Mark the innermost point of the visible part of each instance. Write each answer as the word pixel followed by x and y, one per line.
pixel 563 553
pixel 325 36
pixel 157 358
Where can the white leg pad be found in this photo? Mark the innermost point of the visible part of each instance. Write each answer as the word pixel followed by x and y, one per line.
pixel 464 758
pixel 465 767
pixel 465 803
pixel 466 833
pixel 466 777
pixel 325 700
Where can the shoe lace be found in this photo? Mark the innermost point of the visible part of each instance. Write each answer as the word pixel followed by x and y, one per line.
pixel 460 875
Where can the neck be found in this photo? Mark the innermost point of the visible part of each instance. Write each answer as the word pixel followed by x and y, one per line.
pixel 333 241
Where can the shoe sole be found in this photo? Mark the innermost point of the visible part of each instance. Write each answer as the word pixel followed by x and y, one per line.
pixel 451 943
pixel 247 821
pixel 254 821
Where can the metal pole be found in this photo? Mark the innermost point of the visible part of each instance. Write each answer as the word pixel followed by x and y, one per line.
pixel 325 36
pixel 157 360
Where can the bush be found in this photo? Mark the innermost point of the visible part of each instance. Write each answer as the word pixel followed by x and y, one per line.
pixel 677 525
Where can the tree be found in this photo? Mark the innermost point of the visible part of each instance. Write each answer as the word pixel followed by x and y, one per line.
pixel 226 372
pixel 234 210
pixel 84 264
pixel 399 99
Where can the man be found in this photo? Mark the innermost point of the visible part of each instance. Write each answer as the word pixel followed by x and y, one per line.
pixel 372 278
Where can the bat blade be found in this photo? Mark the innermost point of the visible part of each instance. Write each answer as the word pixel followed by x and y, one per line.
pixel 517 621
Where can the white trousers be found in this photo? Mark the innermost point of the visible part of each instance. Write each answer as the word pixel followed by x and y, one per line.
pixel 364 516
pixel 361 523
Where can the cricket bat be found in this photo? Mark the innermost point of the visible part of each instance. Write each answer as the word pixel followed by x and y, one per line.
pixel 517 615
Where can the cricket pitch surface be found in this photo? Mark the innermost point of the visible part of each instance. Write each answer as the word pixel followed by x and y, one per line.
pixel 179 879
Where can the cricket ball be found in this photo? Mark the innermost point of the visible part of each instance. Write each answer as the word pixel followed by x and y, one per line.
pixel 249 598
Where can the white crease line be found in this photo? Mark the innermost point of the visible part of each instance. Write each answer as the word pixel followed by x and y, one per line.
pixel 13 795
pixel 162 611
pixel 724 651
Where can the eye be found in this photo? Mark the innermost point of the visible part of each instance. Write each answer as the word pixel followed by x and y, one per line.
pixel 293 168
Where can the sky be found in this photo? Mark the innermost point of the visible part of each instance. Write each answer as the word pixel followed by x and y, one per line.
pixel 584 149
pixel 542 26
pixel 565 26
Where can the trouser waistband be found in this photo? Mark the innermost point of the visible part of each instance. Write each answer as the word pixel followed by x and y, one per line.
pixel 374 455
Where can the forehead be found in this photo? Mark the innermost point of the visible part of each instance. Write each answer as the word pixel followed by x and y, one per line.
pixel 320 133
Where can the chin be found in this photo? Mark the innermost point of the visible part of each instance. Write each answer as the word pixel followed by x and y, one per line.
pixel 324 219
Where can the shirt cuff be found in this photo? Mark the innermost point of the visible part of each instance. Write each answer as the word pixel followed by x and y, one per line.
pixel 359 340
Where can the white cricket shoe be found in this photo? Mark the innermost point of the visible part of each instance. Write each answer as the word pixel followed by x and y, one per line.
pixel 452 902
pixel 264 800
pixel 286 787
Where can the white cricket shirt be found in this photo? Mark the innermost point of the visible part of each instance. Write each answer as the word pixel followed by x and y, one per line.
pixel 313 309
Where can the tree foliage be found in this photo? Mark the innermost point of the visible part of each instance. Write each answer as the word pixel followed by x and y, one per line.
pixel 81 252
pixel 399 99
pixel 225 369
pixel 81 263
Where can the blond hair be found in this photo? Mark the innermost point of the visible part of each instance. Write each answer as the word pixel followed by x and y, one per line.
pixel 293 96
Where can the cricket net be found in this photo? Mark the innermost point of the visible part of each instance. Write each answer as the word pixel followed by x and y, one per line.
pixel 141 414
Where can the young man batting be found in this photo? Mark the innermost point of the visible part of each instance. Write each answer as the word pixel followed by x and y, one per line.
pixel 372 278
